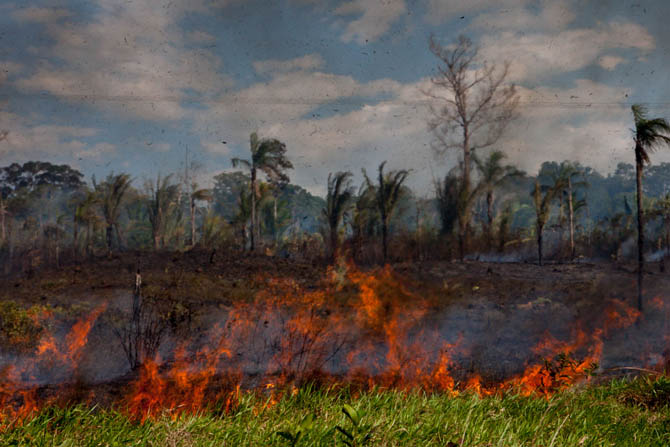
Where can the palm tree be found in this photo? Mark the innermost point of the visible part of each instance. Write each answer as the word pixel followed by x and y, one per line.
pixel 565 184
pixel 387 193
pixel 160 205
pixel 243 215
pixel 649 134
pixel 542 204
pixel 194 196
pixel 85 215
pixel 492 175
pixel 338 202
pixel 111 193
pixel 269 156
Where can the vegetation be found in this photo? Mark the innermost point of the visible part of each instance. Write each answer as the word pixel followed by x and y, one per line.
pixel 472 105
pixel 338 201
pixel 650 133
pixel 268 156
pixel 386 192
pixel 616 413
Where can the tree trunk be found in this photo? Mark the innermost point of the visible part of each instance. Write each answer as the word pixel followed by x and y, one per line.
pixel 539 244
pixel 571 217
pixel 88 239
pixel 640 225
pixel 192 222
pixel 119 238
pixel 274 220
pixel 333 243
pixel 253 209
pixel 489 218
pixel 384 239
pixel 3 211
pixel 464 218
pixel 108 237
pixel 75 236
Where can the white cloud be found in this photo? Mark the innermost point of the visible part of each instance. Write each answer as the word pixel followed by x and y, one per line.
pixel 439 11
pixel 610 62
pixel 26 141
pixel 551 15
pixel 588 122
pixel 44 15
pixel 376 18
pixel 96 152
pixel 307 62
pixel 129 58
pixel 536 54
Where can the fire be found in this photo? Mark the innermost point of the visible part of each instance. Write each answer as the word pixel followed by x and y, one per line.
pixel 18 390
pixel 363 328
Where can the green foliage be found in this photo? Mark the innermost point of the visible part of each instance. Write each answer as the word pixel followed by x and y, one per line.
pixel 293 435
pixel 590 417
pixel 358 433
pixel 34 174
pixel 19 328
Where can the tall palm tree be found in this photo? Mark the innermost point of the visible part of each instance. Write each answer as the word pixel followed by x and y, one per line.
pixel 387 193
pixel 492 174
pixel 268 156
pixel 649 134
pixel 111 193
pixel 197 195
pixel 161 204
pixel 338 201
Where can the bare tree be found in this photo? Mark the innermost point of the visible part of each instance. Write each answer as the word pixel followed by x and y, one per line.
pixel 471 106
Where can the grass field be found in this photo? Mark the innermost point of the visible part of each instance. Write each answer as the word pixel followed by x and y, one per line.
pixel 618 413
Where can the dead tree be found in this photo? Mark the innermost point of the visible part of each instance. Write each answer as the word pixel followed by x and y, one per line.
pixel 471 106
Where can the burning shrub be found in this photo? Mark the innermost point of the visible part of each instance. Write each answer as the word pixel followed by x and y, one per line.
pixel 154 312
pixel 20 329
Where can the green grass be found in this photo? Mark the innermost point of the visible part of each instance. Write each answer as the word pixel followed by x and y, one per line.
pixel 615 414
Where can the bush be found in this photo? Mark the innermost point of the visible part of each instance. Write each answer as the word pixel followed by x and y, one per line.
pixel 20 329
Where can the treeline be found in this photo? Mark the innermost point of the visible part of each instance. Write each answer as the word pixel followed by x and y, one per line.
pixel 50 215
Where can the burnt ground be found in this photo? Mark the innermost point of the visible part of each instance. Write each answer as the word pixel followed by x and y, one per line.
pixel 234 276
pixel 498 311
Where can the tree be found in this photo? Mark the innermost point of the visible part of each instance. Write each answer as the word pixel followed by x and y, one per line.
pixel 338 201
pixel 568 179
pixel 197 195
pixel 85 215
pixel 448 193
pixel 34 174
pixel 492 175
pixel 111 193
pixel 268 156
pixel 243 214
pixel 649 134
pixel 387 192
pixel 662 209
pixel 161 204
pixel 542 198
pixel 472 105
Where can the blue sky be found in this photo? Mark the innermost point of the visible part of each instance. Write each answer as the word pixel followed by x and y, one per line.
pixel 130 85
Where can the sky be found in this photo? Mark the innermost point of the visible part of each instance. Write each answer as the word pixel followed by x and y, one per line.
pixel 133 85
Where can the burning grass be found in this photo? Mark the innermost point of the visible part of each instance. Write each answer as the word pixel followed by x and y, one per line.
pixel 355 336
pixel 592 416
